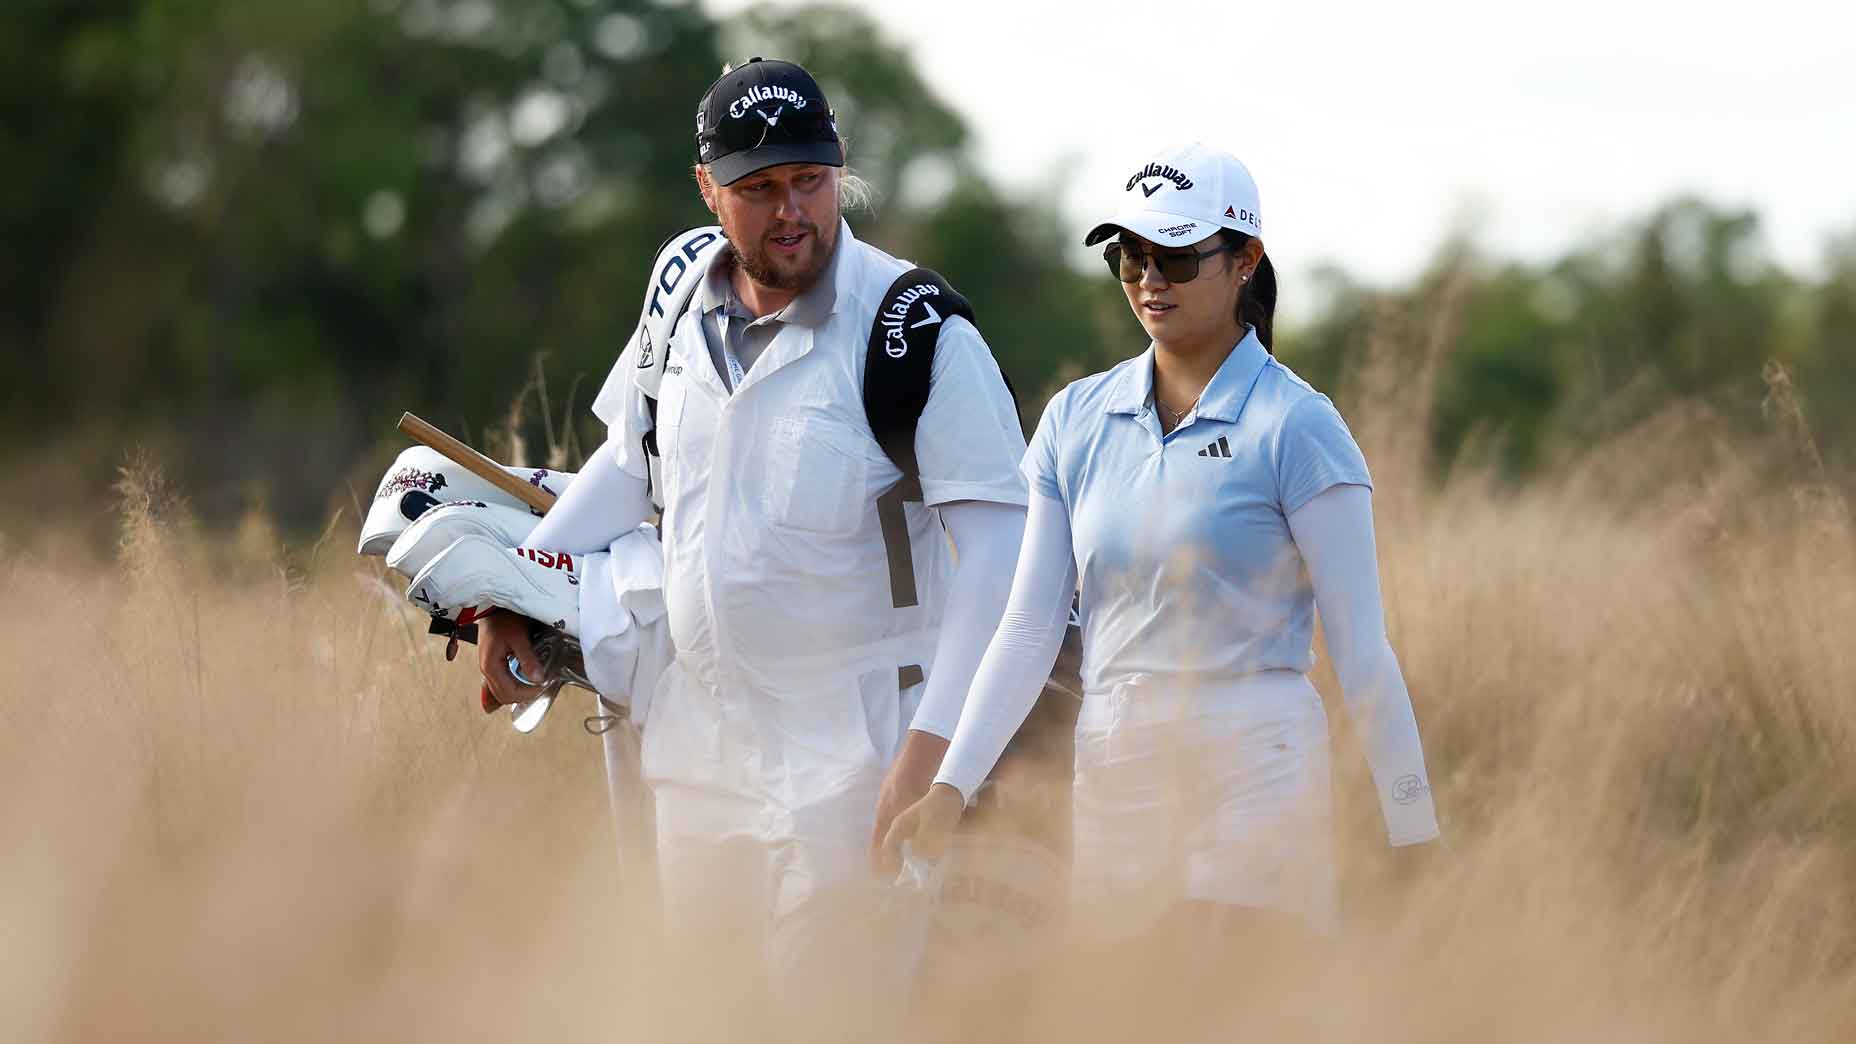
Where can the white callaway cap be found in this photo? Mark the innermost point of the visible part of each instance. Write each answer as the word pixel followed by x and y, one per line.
pixel 1182 196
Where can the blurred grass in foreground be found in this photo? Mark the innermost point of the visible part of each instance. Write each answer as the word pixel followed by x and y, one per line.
pixel 247 799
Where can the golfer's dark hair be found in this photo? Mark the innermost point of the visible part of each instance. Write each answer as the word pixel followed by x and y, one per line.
pixel 1256 302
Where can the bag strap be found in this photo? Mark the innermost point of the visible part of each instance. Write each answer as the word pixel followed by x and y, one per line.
pixel 898 369
pixel 675 274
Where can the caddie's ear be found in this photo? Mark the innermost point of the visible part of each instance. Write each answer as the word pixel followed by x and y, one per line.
pixel 707 188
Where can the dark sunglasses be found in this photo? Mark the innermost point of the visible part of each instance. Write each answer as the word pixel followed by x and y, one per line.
pixel 1129 263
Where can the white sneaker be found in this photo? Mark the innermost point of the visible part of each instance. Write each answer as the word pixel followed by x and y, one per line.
pixel 441 526
pixel 476 572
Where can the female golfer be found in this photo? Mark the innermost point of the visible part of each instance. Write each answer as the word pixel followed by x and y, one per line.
pixel 1209 500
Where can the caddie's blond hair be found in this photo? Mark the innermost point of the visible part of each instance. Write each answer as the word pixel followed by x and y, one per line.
pixel 854 193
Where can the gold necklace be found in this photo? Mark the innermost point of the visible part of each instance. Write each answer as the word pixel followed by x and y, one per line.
pixel 1178 415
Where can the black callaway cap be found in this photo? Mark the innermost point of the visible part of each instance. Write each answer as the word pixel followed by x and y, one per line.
pixel 762 114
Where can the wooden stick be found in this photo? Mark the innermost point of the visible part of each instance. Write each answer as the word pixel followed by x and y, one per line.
pixel 476 463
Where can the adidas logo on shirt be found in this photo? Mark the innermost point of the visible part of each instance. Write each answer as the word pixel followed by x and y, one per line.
pixel 1221 448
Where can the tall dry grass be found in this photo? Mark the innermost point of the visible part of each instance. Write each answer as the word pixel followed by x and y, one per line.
pixel 248 800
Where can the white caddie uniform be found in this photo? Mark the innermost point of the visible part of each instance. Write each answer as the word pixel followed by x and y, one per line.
pixel 771 731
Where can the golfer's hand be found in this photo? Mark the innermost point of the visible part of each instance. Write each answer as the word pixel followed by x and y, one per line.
pixel 499 634
pixel 926 825
pixel 908 779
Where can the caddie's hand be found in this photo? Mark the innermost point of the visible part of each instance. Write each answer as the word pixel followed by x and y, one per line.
pixel 926 825
pixel 908 780
pixel 499 634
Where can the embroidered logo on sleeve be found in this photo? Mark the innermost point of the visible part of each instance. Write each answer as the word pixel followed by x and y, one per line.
pixel 1407 789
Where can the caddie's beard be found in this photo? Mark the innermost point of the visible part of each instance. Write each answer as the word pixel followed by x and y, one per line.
pixel 796 275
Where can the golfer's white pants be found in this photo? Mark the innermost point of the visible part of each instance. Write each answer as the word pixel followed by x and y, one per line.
pixel 1221 797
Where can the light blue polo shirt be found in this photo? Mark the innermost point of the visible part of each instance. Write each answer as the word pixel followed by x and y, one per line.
pixel 1188 571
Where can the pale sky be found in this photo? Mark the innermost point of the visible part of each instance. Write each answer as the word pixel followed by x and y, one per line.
pixel 1372 129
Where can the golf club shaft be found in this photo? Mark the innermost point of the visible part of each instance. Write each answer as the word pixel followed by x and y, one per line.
pixel 476 463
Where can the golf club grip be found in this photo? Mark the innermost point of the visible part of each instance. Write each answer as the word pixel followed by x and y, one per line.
pixel 476 463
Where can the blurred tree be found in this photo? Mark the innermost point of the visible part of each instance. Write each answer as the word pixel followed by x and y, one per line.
pixel 1007 256
pixel 247 235
pixel 259 231
pixel 70 100
pixel 296 219
pixel 896 124
pixel 1684 304
pixel 1827 360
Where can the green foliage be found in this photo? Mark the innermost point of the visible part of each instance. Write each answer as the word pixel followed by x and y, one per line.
pixel 248 235
pixel 1683 305
pixel 261 231
pixel 1006 256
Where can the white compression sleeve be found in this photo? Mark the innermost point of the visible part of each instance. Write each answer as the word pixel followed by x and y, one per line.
pixel 1022 652
pixel 986 537
pixel 1334 532
pixel 603 503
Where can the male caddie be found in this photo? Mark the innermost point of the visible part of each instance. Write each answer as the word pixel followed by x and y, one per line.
pixel 795 719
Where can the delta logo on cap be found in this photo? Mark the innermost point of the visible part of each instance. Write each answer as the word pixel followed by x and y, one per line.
pixel 1183 196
